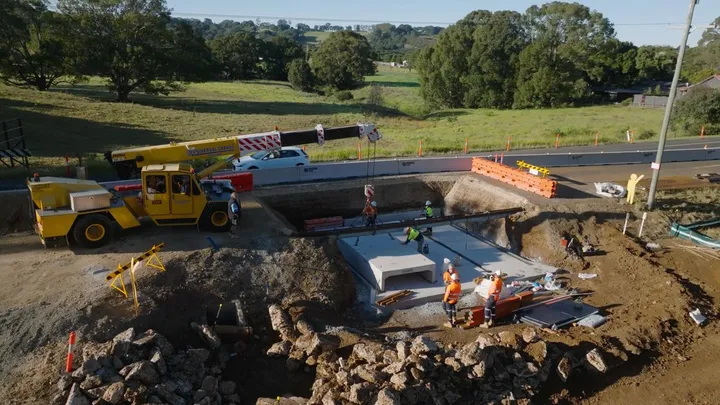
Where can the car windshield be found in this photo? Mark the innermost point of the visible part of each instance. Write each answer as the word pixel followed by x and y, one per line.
pixel 258 155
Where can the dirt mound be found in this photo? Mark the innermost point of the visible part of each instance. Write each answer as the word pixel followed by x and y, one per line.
pixel 14 214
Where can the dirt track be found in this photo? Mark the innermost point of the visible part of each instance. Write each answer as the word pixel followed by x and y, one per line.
pixel 646 295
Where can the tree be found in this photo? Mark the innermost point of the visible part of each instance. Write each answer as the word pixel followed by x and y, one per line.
pixel 191 57
pixel 283 25
pixel 559 62
pixel 703 60
pixel 300 75
pixel 444 65
pixel 277 55
pixel 127 41
pixel 656 62
pixel 699 107
pixel 303 28
pixel 493 61
pixel 375 97
pixel 237 55
pixel 343 60
pixel 33 44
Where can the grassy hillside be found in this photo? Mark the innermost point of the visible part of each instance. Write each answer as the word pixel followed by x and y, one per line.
pixel 85 120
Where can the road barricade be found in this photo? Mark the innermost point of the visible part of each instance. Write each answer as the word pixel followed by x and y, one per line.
pixel 515 177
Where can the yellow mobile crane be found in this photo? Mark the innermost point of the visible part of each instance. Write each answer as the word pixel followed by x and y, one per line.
pixel 171 193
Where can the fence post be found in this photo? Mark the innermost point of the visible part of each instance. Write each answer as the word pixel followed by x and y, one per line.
pixel 359 151
pixel 466 146
pixel 702 132
pixel 507 146
pixel 596 137
pixel 420 149
pixel 557 140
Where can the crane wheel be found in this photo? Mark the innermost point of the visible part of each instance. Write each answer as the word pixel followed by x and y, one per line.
pixel 216 219
pixel 93 231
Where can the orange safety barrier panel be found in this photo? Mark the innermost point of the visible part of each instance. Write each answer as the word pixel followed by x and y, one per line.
pixel 515 177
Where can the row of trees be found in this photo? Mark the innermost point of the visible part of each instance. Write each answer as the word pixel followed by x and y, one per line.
pixel 137 46
pixel 396 43
pixel 552 55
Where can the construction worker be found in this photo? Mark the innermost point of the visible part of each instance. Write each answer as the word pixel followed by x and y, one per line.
pixel 233 213
pixel 414 234
pixel 452 295
pixel 447 274
pixel 493 297
pixel 428 213
pixel 370 213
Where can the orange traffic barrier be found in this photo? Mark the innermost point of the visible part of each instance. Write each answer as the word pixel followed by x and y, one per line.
pixel 466 146
pixel 359 151
pixel 702 132
pixel 515 177
pixel 596 137
pixel 420 149
pixel 507 146
pixel 557 140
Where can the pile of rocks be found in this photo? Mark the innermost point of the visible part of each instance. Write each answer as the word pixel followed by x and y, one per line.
pixel 498 368
pixel 145 368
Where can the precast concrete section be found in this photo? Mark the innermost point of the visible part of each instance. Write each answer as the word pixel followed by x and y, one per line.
pixel 477 257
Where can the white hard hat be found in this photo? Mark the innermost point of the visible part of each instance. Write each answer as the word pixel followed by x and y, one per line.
pixel 498 273
pixel 446 260
pixel 407 229
pixel 374 204
pixel 428 202
pixel 453 276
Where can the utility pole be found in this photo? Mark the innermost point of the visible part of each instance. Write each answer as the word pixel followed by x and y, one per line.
pixel 669 106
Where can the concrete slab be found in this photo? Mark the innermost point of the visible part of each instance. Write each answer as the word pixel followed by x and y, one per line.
pixel 379 257
pixel 478 257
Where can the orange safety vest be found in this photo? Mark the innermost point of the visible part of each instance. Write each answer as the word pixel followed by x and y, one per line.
pixel 447 276
pixel 495 288
pixel 452 293
pixel 370 211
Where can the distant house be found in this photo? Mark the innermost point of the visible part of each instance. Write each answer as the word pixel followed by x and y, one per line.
pixel 712 82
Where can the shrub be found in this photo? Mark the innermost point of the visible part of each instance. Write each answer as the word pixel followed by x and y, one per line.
pixel 375 97
pixel 343 95
pixel 300 75
pixel 646 134
pixel 700 107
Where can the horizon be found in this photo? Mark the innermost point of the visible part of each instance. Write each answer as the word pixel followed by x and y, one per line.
pixel 642 24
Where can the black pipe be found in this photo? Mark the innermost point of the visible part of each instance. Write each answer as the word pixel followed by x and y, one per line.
pixel 402 224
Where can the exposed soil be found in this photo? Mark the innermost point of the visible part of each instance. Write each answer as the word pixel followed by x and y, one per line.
pixel 646 295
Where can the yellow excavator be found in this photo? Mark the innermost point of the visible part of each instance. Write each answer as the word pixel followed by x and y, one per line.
pixel 83 212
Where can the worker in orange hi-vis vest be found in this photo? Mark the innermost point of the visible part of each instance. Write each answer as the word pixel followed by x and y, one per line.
pixel 493 297
pixel 447 279
pixel 370 213
pixel 451 298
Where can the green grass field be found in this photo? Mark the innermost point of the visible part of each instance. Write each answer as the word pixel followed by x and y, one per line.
pixel 85 119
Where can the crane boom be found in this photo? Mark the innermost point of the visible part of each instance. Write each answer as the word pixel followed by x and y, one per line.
pixel 128 161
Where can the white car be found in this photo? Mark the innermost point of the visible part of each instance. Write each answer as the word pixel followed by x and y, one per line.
pixel 285 157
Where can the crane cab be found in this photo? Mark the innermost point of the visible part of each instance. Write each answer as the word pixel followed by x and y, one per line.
pixel 171 195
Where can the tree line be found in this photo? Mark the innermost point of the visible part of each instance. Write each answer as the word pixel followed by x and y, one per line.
pixel 552 55
pixel 137 46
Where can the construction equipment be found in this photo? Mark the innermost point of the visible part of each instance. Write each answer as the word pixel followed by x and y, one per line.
pixel 129 162
pixel 169 193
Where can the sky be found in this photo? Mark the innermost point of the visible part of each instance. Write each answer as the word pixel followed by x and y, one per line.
pixel 627 15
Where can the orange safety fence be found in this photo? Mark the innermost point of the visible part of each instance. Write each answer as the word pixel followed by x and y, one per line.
pixel 515 177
